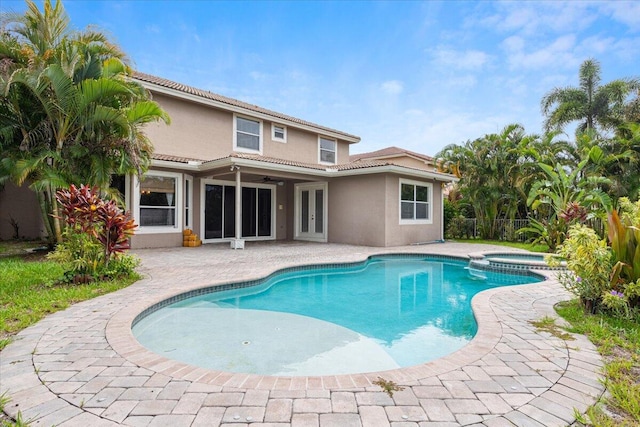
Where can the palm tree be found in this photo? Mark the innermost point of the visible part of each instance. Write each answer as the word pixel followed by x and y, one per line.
pixel 593 105
pixel 491 175
pixel 70 113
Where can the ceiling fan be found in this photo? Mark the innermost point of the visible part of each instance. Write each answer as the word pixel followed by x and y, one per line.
pixel 269 180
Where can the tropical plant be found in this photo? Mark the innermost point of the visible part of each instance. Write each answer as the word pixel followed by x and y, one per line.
pixel 624 238
pixel 70 112
pixel 563 198
pixel 589 261
pixel 83 209
pixel 493 176
pixel 592 105
pixel 97 233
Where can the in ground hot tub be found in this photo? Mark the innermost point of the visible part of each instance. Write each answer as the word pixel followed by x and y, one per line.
pixel 512 262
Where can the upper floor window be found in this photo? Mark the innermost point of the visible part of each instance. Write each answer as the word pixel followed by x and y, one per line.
pixel 278 133
pixel 328 150
pixel 247 135
pixel 415 202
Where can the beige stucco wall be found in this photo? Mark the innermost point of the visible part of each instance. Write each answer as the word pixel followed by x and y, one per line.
pixel 357 210
pixel 364 210
pixel 195 130
pixel 165 240
pixel 21 204
pixel 397 234
pixel 206 133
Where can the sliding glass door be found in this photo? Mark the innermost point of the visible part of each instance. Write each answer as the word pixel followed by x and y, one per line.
pixel 257 209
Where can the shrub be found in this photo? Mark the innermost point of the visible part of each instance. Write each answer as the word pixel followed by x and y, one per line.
pixel 460 228
pixel 80 255
pixel 97 234
pixel 589 261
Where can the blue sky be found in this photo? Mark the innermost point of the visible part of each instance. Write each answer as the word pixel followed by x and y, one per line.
pixel 419 75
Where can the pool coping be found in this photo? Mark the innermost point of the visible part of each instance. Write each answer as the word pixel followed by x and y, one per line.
pixel 120 336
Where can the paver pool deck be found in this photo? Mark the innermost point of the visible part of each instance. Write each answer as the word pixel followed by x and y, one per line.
pixel 83 367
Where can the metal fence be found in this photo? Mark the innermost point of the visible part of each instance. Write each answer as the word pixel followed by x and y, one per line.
pixel 506 229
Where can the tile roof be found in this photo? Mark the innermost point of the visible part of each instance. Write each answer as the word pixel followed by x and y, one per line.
pixel 389 152
pixel 362 164
pixel 178 159
pixel 274 160
pixel 233 102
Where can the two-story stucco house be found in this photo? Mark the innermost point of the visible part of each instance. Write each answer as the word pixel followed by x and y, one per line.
pixel 236 172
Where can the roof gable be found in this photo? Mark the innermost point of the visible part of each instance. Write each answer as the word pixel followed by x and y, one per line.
pixel 390 152
pixel 182 90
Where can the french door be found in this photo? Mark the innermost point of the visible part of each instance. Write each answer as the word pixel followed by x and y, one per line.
pixel 311 211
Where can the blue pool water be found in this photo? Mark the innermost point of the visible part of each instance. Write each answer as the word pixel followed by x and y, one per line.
pixel 383 314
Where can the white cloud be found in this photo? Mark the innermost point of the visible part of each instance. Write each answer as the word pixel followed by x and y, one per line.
pixel 392 87
pixel 461 82
pixel 627 12
pixel 460 59
pixel 535 18
pixel 557 54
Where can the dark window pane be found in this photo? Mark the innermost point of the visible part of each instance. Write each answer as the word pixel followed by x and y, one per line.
pixel 422 194
pixel 249 211
pixel 305 212
pixel 150 217
pixel 264 212
pixel 251 142
pixel 248 126
pixel 406 210
pixel 158 191
pixel 229 211
pixel 422 211
pixel 319 211
pixel 327 144
pixel 406 192
pixel 213 212
pixel 327 156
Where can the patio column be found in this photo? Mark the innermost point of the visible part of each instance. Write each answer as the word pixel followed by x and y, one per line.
pixel 238 243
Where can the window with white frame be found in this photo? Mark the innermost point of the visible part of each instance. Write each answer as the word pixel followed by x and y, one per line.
pixel 415 202
pixel 247 134
pixel 278 133
pixel 158 198
pixel 327 149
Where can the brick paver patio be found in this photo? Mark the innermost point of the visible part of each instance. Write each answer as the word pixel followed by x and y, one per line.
pixel 82 366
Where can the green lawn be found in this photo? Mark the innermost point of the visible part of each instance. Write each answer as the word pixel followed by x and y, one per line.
pixel 28 292
pixel 527 246
pixel 618 342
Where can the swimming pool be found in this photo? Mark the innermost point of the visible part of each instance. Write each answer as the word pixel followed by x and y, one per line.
pixel 385 313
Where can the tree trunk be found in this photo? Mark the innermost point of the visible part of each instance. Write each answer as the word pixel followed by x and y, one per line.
pixel 44 211
pixel 57 227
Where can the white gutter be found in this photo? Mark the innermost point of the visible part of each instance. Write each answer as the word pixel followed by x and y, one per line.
pixel 325 173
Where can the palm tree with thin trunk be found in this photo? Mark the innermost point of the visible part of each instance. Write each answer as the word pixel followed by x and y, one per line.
pixel 69 112
pixel 594 106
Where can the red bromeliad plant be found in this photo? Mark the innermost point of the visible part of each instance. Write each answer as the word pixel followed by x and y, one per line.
pixel 83 208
